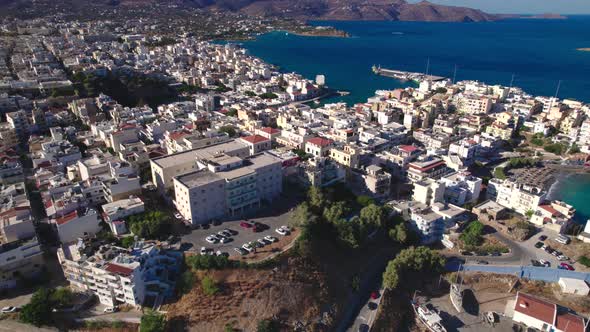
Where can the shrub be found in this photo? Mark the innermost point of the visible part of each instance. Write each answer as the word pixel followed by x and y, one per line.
pixel 209 285
pixel 584 261
pixel 152 321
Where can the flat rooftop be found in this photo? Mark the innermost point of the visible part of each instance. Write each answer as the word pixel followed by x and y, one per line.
pixel 201 153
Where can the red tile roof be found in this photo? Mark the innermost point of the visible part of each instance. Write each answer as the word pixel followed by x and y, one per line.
pixel 408 148
pixel 67 218
pixel 534 307
pixel 572 322
pixel 270 130
pixel 255 139
pixel 319 141
pixel 118 269
pixel 550 209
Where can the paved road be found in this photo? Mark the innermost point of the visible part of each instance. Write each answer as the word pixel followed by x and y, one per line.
pixel 530 272
pixel 368 313
pixel 521 253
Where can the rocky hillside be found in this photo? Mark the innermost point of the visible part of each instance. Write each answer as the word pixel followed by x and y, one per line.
pixel 394 10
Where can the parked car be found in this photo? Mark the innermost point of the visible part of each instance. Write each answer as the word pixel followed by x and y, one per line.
pixel 482 262
pixel 545 263
pixel 283 230
pixel 262 242
pixel 110 309
pixel 271 239
pixel 542 237
pixel 247 247
pixel 211 239
pixel 539 245
pixel 204 251
pixel 495 254
pixel 562 239
pixel 566 266
pixel 230 232
pixel 374 295
pixel 221 253
pixel 535 262
pixel 245 224
pixel 466 253
pixel 563 258
pixel 225 239
pixel 8 310
pixel 241 251
pixel 225 233
pixel 177 215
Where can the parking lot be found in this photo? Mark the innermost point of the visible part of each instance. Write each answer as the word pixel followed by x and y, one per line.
pixel 196 239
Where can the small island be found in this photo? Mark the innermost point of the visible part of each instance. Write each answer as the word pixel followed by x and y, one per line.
pixel 584 49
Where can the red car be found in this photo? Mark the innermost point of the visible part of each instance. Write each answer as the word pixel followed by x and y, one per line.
pixel 566 266
pixel 374 295
pixel 246 224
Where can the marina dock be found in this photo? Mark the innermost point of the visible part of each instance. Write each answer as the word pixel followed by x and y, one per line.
pixel 405 75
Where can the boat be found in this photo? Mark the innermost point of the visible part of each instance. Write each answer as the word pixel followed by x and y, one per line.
pixel 429 317
pixel 456 297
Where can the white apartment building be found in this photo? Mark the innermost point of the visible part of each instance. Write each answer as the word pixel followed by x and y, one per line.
pixel 19 258
pixel 114 213
pixel 519 197
pixel 76 224
pixel 143 275
pixel 164 169
pixel 226 184
pixel 475 104
pixel 461 188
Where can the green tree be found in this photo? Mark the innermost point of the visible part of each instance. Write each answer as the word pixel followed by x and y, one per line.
pixel 373 215
pixel 399 233
pixel 316 199
pixel 152 321
pixel 412 264
pixel 529 213
pixel 574 149
pixel 231 131
pixel 301 215
pixel 38 310
pixel 335 212
pixel 472 235
pixel 150 225
pixel 364 200
pixel 127 242
pixel 209 286
pixel 62 297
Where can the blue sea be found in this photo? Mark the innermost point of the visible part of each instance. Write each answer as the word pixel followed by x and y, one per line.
pixel 539 53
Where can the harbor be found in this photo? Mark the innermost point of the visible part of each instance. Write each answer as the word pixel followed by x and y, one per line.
pixel 405 75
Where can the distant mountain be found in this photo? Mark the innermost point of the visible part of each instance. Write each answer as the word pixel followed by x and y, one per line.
pixel 394 10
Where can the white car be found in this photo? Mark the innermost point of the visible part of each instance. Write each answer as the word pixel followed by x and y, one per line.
pixel 563 258
pixel 271 239
pixel 248 247
pixel 262 242
pixel 283 230
pixel 544 263
pixel 225 240
pixel 211 239
pixel 177 215
pixel 110 309
pixel 204 251
pixel 7 310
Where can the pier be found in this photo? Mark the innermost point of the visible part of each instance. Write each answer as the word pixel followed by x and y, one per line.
pixel 406 75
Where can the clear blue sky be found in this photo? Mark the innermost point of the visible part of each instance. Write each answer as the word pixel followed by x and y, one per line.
pixel 522 6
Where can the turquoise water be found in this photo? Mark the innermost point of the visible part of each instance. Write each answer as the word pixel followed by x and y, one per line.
pixel 574 189
pixel 538 52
